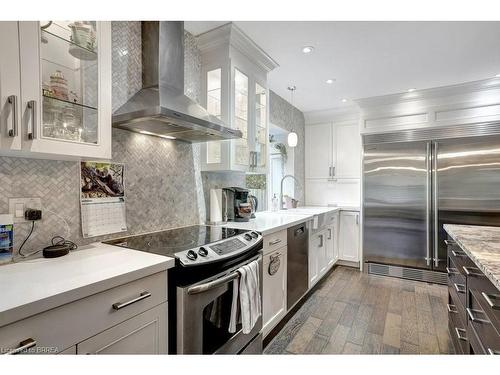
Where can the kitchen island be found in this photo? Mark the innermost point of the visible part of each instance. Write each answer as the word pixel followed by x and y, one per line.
pixel 474 288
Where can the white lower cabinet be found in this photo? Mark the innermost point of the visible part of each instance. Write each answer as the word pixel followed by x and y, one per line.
pixel 274 288
pixel 332 252
pixel 317 256
pixel 142 334
pixel 349 236
pixel 127 319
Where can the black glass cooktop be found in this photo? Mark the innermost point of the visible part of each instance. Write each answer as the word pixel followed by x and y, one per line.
pixel 172 241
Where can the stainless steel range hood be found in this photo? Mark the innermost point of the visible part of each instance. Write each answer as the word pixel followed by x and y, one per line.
pixel 160 108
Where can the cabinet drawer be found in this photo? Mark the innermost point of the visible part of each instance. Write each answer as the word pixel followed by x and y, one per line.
pixel 488 297
pixel 60 328
pixel 456 310
pixel 458 290
pixel 274 241
pixel 476 347
pixel 459 258
pixel 486 331
pixel 458 333
pixel 274 288
pixel 145 333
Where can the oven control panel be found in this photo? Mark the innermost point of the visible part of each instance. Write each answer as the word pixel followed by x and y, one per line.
pixel 220 250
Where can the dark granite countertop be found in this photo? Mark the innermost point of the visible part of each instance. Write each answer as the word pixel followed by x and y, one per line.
pixel 482 245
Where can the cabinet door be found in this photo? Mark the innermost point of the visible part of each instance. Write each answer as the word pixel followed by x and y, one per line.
pixel 349 236
pixel 322 253
pixel 314 242
pixel 274 288
pixel 10 87
pixel 241 120
pixel 145 333
pixel 66 88
pixel 331 245
pixel 319 151
pixel 261 132
pixel 347 151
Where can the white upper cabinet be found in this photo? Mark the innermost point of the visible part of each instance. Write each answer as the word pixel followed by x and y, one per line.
pixel 63 72
pixel 234 88
pixel 10 87
pixel 319 155
pixel 333 151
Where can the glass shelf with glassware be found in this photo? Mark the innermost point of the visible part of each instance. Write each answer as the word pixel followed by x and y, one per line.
pixel 69 60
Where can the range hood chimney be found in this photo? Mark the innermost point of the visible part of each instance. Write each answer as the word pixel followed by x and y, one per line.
pixel 160 108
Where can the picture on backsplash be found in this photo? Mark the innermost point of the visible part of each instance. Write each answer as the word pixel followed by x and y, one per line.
pixel 101 180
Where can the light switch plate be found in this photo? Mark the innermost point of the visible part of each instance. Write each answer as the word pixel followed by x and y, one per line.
pixel 17 206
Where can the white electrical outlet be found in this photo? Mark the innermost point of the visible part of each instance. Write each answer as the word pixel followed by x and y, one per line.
pixel 17 206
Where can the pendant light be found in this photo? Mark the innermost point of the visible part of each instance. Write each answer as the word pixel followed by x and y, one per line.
pixel 292 136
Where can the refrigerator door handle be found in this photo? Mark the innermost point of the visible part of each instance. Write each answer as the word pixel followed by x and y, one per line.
pixel 428 200
pixel 435 200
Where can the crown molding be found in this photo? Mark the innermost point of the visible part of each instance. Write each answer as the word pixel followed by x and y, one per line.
pixel 231 35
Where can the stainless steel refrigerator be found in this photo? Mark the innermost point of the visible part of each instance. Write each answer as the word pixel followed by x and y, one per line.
pixel 416 181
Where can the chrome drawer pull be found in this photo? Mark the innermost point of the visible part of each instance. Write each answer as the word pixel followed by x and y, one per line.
pixel 469 271
pixel 450 243
pixel 23 345
pixel 470 312
pixel 121 305
pixel 493 352
pixel 459 254
pixel 460 288
pixel 33 133
pixel 274 242
pixel 459 334
pixel 452 271
pixel 452 308
pixel 488 298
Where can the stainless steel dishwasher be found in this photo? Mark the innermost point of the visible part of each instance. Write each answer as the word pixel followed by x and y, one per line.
pixel 298 263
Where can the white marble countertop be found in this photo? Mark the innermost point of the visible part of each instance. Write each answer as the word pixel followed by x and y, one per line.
pixel 482 245
pixel 267 222
pixel 33 286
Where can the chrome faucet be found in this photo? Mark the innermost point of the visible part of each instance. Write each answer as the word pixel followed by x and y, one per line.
pixel 281 191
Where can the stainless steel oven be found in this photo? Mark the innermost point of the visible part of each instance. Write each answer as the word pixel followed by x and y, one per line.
pixel 203 315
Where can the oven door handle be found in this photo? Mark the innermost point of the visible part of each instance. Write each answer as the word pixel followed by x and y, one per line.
pixel 213 284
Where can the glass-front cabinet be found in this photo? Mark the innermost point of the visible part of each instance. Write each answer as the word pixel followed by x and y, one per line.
pixel 234 77
pixel 65 87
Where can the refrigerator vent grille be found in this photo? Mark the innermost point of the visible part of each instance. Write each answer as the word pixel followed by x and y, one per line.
pixel 407 273
pixel 458 131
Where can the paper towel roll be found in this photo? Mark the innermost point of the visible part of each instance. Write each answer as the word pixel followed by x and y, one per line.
pixel 215 206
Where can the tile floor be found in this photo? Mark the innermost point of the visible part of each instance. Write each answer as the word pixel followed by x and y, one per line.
pixel 356 313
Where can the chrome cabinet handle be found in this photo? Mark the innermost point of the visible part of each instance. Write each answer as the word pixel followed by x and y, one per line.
pixel 459 254
pixel 13 131
pixel 329 234
pixel 33 133
pixel 469 271
pixel 488 297
pixel 450 243
pixel 274 242
pixel 121 305
pixel 452 308
pixel 460 288
pixel 333 171
pixel 321 243
pixel 470 312
pixel 357 219
pixel 452 271
pixel 23 345
pixel 459 331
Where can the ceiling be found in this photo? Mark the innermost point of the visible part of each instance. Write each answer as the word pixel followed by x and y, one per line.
pixel 369 58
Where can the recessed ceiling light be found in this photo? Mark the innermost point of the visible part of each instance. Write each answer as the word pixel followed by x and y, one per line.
pixel 344 100
pixel 411 90
pixel 307 49
pixel 497 75
pixel 167 136
pixel 330 81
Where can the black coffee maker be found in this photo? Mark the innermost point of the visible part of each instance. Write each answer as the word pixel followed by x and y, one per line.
pixel 235 205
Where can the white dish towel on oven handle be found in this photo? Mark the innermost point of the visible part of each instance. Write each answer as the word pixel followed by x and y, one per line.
pixel 249 297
